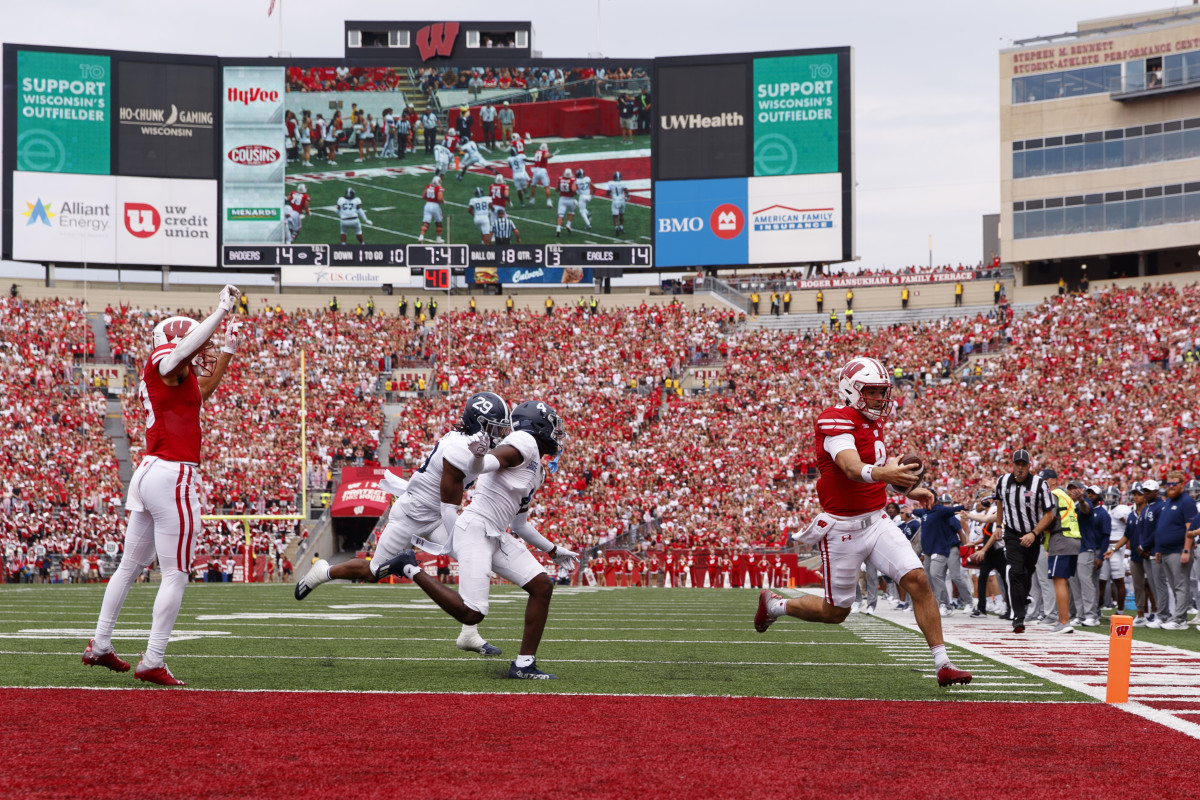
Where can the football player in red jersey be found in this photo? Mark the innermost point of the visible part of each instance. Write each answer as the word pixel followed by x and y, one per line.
pixel 164 493
pixel 499 193
pixel 566 200
pixel 853 527
pixel 433 199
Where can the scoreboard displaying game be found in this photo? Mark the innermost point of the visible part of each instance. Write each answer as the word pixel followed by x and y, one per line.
pixel 375 168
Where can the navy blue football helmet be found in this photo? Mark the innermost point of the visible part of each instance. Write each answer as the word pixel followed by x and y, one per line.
pixel 486 412
pixel 540 421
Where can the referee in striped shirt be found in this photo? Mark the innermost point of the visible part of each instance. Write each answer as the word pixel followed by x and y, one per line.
pixel 1025 510
pixel 503 228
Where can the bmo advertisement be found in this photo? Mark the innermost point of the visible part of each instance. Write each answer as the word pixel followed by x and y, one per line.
pixel 765 173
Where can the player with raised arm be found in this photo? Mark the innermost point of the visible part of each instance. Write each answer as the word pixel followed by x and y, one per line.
pixel 470 157
pixel 165 490
pixel 583 195
pixel 541 174
pixel 853 526
pixel 516 162
pixel 618 194
pixel 433 198
pixel 510 475
pixel 481 211
pixel 567 188
pixel 351 214
pixel 422 514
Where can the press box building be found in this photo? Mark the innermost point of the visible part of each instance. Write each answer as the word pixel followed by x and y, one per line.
pixel 1100 149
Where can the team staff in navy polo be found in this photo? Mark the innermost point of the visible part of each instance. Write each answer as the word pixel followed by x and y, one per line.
pixel 1170 541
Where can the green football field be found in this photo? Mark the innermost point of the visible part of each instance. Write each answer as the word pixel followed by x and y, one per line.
pixel 392 198
pixel 392 638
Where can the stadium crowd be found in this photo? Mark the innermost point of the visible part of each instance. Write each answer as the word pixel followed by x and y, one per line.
pixel 1088 383
pixel 60 494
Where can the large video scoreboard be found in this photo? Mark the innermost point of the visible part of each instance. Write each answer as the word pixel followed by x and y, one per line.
pixel 299 164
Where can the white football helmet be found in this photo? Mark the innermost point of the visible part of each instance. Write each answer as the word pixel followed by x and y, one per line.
pixel 567 173
pixel 544 146
pixel 498 179
pixel 437 180
pixel 302 188
pixel 858 374
pixel 172 330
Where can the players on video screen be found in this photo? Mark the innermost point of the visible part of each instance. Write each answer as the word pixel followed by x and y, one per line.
pixel 487 133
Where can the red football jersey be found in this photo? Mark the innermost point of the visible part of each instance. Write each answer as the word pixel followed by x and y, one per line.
pixel 298 201
pixel 433 194
pixel 499 192
pixel 566 187
pixel 838 494
pixel 172 412
pixel 519 143
pixel 542 159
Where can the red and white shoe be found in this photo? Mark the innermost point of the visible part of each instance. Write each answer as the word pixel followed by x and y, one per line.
pixel 948 675
pixel 160 675
pixel 109 659
pixel 763 620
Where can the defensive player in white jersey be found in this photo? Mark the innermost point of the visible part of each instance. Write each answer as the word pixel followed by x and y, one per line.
pixel 516 162
pixel 541 173
pixel 481 211
pixel 432 213
pixel 164 493
pixel 853 526
pixel 441 160
pixel 618 194
pixel 351 214
pixel 567 189
pixel 291 224
pixel 427 506
pixel 1113 568
pixel 510 475
pixel 470 157
pixel 583 195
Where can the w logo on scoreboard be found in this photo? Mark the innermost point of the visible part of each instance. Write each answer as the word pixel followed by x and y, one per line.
pixel 437 40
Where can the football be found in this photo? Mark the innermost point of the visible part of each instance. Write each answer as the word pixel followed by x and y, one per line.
pixel 909 458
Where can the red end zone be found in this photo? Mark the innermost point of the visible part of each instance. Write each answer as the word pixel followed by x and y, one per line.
pixel 177 743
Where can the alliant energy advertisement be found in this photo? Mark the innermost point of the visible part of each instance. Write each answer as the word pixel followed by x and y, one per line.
pixel 63 112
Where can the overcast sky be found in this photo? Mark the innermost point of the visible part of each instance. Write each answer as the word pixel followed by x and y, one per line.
pixel 926 85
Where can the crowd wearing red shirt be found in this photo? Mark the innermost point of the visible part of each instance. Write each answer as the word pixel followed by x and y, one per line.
pixel 1096 385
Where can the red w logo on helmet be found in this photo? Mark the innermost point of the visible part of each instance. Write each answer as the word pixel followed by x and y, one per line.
pixel 177 328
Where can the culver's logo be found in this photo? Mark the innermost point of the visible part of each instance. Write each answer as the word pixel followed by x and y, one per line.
pixel 253 155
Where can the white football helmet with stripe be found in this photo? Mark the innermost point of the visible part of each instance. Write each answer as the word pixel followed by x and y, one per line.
pixel 858 374
pixel 172 330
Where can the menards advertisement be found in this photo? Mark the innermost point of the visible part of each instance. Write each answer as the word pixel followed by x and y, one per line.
pixel 254 155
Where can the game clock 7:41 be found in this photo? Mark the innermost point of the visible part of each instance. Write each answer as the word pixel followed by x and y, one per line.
pixel 437 255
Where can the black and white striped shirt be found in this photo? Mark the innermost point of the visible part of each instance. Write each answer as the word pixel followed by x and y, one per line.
pixel 503 229
pixel 1023 504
